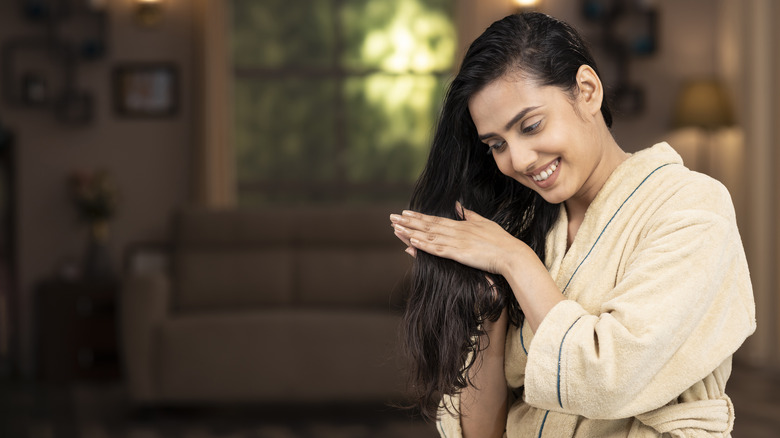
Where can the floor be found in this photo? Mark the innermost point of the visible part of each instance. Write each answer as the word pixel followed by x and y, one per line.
pixel 92 410
pixel 29 410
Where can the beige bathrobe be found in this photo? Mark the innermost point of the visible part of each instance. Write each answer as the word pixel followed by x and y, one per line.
pixel 659 299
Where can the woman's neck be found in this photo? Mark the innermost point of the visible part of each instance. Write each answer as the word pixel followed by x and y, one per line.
pixel 577 206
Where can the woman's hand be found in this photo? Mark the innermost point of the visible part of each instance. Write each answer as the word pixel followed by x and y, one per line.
pixel 475 241
pixel 483 244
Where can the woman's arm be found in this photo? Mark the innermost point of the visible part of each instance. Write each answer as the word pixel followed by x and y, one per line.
pixel 483 406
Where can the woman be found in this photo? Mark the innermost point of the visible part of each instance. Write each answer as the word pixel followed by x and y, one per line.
pixel 563 287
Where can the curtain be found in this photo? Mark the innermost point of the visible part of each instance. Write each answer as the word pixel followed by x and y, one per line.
pixel 215 169
pixel 750 62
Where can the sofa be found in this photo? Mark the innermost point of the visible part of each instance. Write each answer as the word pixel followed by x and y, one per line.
pixel 293 305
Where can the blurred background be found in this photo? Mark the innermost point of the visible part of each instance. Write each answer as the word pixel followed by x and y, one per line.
pixel 194 196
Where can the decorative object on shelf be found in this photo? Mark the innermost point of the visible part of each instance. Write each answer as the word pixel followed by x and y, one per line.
pixel 148 12
pixel 95 197
pixel 703 104
pixel 629 28
pixel 146 90
pixel 40 71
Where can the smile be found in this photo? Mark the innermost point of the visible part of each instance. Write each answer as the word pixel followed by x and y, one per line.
pixel 544 174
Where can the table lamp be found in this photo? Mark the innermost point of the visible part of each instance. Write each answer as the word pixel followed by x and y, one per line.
pixel 703 104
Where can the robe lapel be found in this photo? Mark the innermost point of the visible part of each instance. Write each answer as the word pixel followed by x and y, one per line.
pixel 602 213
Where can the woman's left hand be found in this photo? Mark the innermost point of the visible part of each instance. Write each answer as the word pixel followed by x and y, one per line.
pixel 474 241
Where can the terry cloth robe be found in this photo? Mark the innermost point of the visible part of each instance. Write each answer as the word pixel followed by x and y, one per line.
pixel 658 300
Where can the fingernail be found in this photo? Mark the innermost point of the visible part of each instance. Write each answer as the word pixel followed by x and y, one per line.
pixel 397 218
pixel 401 229
pixel 409 250
pixel 410 213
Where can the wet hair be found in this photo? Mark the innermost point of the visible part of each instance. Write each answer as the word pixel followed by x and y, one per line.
pixel 449 301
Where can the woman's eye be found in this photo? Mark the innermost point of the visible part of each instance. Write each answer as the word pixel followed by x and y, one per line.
pixel 532 128
pixel 496 147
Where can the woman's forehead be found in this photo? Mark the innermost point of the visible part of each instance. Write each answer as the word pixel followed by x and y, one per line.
pixel 514 91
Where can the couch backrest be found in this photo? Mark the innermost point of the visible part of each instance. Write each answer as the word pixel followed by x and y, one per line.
pixel 306 256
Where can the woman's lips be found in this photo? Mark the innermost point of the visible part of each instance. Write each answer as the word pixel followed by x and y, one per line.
pixel 547 176
pixel 547 171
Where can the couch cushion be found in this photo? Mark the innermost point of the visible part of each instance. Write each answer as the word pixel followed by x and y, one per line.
pixel 308 255
pixel 354 226
pixel 203 227
pixel 233 278
pixel 359 276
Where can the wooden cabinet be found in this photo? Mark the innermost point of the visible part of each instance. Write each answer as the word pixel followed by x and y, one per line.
pixel 77 331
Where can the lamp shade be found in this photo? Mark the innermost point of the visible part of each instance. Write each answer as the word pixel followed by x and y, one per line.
pixel 703 103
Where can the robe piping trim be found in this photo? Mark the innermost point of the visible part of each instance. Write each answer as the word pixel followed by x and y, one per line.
pixel 441 429
pixel 522 341
pixel 607 225
pixel 560 351
pixel 544 420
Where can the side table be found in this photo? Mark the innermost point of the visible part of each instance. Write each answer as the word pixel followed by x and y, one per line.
pixel 77 330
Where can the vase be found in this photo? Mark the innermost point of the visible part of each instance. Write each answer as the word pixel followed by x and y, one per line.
pixel 97 259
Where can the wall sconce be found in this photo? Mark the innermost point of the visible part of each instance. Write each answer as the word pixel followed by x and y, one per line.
pixel 705 105
pixel 148 12
pixel 525 5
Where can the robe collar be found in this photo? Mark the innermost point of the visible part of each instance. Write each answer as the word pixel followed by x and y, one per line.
pixel 620 185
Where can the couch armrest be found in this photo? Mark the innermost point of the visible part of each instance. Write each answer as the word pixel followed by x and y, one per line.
pixel 144 305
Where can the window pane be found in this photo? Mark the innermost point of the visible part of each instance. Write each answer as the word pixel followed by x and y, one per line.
pixel 276 33
pixel 335 100
pixel 284 130
pixel 398 35
pixel 390 121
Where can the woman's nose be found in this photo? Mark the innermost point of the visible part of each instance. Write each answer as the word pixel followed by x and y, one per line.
pixel 523 158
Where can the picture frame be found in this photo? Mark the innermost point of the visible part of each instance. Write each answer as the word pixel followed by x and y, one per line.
pixel 146 90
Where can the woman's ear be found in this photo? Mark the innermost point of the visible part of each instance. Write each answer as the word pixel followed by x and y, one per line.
pixel 591 92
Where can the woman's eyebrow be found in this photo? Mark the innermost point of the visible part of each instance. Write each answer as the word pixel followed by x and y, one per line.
pixel 512 122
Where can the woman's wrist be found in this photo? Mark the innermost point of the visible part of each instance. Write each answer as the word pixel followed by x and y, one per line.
pixel 534 288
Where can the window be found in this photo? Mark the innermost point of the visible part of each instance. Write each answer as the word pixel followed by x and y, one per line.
pixel 335 100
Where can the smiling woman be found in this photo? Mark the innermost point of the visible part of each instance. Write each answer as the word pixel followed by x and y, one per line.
pixel 562 287
pixel 334 100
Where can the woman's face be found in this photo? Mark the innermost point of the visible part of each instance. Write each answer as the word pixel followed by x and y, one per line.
pixel 542 137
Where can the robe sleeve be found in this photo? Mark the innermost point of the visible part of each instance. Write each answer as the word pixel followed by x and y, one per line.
pixel 448 422
pixel 683 306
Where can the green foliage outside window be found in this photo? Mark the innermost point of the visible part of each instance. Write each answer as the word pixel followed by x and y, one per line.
pixel 335 100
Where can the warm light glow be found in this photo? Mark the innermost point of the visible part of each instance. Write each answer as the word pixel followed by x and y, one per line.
pixel 703 103
pixel 148 12
pixel 526 3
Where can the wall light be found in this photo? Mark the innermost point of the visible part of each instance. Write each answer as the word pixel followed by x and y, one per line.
pixel 148 12
pixel 525 5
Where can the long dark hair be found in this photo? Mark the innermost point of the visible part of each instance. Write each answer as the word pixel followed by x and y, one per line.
pixel 449 301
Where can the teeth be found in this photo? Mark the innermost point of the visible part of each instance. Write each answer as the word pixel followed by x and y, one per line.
pixel 547 172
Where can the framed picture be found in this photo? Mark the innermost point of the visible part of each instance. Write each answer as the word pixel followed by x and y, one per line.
pixel 146 90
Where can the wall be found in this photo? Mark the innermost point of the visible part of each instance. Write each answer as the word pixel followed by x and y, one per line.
pixel 149 159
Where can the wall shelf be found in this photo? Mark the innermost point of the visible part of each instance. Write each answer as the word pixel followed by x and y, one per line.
pixel 40 71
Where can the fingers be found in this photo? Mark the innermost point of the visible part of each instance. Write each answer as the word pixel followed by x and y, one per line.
pixel 422 227
pixel 418 231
